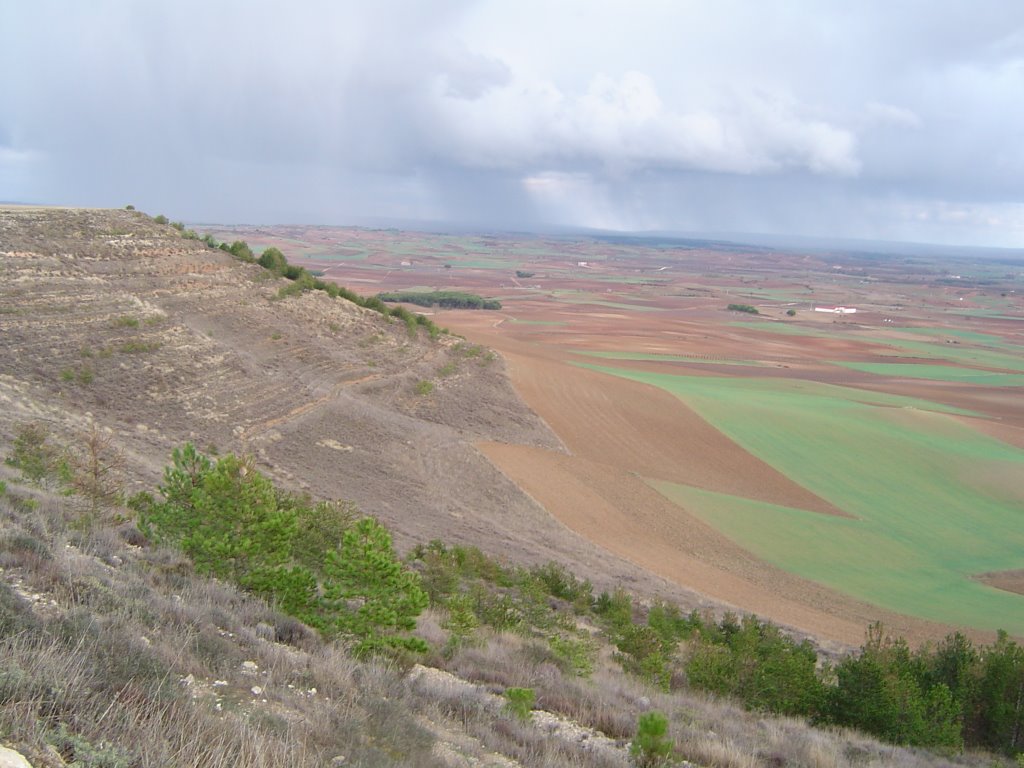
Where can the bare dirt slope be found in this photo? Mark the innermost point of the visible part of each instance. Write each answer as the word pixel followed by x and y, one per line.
pixel 106 316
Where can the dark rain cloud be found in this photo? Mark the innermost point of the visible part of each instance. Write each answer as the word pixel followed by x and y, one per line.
pixel 869 119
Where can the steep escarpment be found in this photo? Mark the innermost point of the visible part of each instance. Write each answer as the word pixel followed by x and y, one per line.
pixel 109 318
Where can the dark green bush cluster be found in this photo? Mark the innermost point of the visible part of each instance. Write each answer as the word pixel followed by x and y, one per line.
pixel 751 310
pixel 444 299
pixel 949 695
pixel 313 559
pixel 648 650
pixel 523 273
pixel 756 663
pixel 946 696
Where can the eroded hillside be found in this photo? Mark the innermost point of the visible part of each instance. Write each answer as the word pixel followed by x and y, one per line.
pixel 111 318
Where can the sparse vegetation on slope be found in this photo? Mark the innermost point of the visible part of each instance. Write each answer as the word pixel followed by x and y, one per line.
pixel 273 260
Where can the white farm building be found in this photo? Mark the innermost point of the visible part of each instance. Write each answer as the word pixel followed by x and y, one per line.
pixel 837 310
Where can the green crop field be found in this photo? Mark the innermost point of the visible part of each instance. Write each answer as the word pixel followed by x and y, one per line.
pixel 933 501
pixel 939 373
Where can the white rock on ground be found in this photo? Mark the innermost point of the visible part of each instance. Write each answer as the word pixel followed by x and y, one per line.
pixel 11 759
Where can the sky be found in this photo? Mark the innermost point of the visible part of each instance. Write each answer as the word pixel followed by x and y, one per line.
pixel 871 119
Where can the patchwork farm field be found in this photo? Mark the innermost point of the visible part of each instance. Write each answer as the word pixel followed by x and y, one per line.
pixel 824 470
pixel 917 531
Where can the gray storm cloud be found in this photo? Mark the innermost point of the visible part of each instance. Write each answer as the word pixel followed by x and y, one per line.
pixel 804 117
pixel 622 125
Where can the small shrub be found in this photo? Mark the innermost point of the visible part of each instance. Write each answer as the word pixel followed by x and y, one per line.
pixel 129 207
pixel 651 746
pixel 519 702
pixel 424 387
pixel 160 219
pixel 96 468
pixel 78 751
pixel 274 260
pixel 126 321
pixel 241 251
pixel 576 654
pixel 791 312
pixel 461 622
pixel 33 454
pixel 448 368
pixel 292 289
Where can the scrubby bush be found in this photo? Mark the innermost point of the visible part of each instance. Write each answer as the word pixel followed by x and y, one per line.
pixel 33 453
pixel 651 746
pixel 340 576
pixel 274 260
pixel 374 598
pixel 519 702
pixel 882 691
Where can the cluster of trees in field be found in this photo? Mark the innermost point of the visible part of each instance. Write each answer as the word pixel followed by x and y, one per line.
pixel 444 299
pixel 748 308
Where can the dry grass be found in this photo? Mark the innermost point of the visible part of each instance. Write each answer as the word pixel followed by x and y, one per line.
pixel 114 655
pixel 707 731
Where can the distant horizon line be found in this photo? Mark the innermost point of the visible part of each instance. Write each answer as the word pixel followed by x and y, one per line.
pixel 758 239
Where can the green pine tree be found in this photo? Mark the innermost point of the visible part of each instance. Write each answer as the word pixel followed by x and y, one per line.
pixel 367 592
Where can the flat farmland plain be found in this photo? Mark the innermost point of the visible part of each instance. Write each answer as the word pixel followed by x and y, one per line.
pixel 822 470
